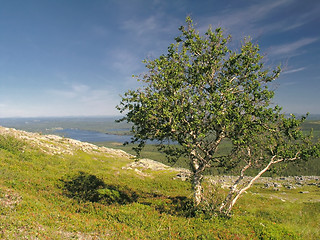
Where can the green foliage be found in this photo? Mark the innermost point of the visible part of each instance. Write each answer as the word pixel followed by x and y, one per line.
pixel 198 93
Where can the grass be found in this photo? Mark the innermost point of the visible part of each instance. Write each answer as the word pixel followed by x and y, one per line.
pixel 35 205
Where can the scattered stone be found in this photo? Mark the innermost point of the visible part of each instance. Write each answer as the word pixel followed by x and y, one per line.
pixel 277 185
pixel 183 175
pixel 267 185
pixel 312 184
pixel 144 164
pixel 141 173
pixel 304 192
pixel 148 164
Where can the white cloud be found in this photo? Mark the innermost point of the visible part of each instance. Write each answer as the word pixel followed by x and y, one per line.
pixel 126 62
pixel 244 21
pixel 291 48
pixel 73 91
pixel 140 27
pixel 74 100
pixel 19 109
pixel 294 70
pixel 150 30
pixel 102 104
pixel 256 19
pixel 302 19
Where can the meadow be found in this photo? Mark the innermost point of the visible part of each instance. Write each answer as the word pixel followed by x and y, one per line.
pixel 91 195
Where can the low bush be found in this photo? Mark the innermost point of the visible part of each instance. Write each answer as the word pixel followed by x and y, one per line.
pixel 87 187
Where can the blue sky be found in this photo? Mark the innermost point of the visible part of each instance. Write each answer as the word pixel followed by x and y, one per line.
pixel 75 57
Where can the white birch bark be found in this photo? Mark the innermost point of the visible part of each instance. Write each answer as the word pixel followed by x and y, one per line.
pixel 234 200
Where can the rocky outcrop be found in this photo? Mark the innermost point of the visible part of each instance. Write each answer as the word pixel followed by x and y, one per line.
pixel 53 144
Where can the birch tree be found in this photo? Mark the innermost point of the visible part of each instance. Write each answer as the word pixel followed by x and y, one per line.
pixel 199 94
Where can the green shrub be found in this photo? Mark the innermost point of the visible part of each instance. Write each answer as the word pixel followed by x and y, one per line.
pixel 87 187
pixel 83 186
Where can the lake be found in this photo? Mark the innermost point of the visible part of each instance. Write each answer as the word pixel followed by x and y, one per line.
pixel 91 136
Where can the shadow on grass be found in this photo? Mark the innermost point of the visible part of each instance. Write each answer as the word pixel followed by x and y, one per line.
pixel 178 206
pixel 86 187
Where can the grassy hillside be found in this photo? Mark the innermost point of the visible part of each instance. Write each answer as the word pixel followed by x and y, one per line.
pixel 56 188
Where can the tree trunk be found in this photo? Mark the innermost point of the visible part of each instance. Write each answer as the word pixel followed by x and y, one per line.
pixel 232 202
pixel 234 187
pixel 197 188
pixel 196 180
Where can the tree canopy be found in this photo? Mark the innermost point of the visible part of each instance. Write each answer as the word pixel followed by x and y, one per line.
pixel 201 93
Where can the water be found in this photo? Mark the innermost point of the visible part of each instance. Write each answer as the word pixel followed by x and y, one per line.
pixel 91 136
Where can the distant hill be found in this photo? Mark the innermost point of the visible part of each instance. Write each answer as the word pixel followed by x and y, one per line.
pixel 49 124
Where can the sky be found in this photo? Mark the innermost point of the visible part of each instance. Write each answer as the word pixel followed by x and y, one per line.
pixel 76 57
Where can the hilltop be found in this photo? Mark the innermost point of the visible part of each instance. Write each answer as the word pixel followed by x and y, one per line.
pixel 58 188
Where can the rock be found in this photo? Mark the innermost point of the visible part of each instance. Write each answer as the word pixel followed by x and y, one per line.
pixel 267 185
pixel 304 192
pixel 183 175
pixel 148 164
pixel 144 164
pixel 277 185
pixel 312 184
